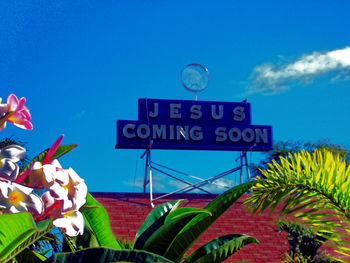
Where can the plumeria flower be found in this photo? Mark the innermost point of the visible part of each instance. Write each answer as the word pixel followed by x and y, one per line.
pixel 70 185
pixel 43 176
pixel 9 155
pixel 15 112
pixel 69 219
pixel 63 184
pixel 15 198
pixel 71 222
pixel 3 111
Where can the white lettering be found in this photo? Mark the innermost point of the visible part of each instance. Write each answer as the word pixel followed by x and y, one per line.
pixel 196 112
pixel 238 113
pixel 232 136
pixel 171 132
pixel 248 135
pixel 143 131
pixel 196 133
pixel 174 111
pixel 126 132
pixel 221 135
pixel 159 131
pixel 217 116
pixel 155 112
pixel 261 135
pixel 182 132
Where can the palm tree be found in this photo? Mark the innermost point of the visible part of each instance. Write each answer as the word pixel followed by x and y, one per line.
pixel 314 187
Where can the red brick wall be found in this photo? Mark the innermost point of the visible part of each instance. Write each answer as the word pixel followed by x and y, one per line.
pixel 127 211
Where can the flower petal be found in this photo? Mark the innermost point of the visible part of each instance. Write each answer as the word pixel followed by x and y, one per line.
pixel 21 103
pixel 48 199
pixel 13 152
pixel 72 223
pixel 58 192
pixel 8 169
pixel 12 102
pixel 53 149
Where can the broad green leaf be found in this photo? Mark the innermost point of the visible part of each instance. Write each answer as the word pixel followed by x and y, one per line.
pixel 97 219
pixel 180 212
pixel 162 238
pixel 199 224
pixel 154 220
pixel 105 255
pixel 18 231
pixel 87 239
pixel 30 256
pixel 220 248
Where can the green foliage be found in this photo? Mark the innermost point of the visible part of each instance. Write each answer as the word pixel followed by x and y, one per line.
pixel 284 148
pixel 220 248
pixel 106 255
pixel 97 222
pixel 199 224
pixel 165 234
pixel 168 231
pixel 153 221
pixel 30 256
pixel 314 187
pixel 18 231
pixel 301 238
pixel 183 226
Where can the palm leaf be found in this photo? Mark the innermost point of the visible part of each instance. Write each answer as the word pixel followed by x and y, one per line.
pixel 220 248
pixel 104 255
pixel 200 223
pixel 312 186
pixel 18 231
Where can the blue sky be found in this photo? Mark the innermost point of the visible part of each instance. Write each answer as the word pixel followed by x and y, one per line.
pixel 82 65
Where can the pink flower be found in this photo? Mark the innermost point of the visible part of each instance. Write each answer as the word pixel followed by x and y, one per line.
pixel 15 112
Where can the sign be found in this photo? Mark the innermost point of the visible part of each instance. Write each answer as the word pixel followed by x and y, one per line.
pixel 195 125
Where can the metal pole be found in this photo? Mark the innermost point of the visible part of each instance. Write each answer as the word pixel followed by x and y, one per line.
pixel 241 171
pixel 246 163
pixel 145 181
pixel 150 178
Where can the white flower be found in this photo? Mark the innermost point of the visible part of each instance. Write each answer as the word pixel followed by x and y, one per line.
pixel 67 193
pixel 44 175
pixel 71 222
pixel 9 155
pixel 15 198
pixel 69 187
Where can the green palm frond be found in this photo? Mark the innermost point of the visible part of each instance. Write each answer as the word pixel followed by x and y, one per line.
pixel 313 187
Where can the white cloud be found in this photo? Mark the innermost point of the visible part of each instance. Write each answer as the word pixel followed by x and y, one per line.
pixel 270 79
pixel 163 183
pixel 217 186
pixel 158 182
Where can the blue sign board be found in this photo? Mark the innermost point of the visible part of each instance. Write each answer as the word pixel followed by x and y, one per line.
pixel 196 125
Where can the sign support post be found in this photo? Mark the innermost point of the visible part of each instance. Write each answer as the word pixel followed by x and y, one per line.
pixel 189 185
